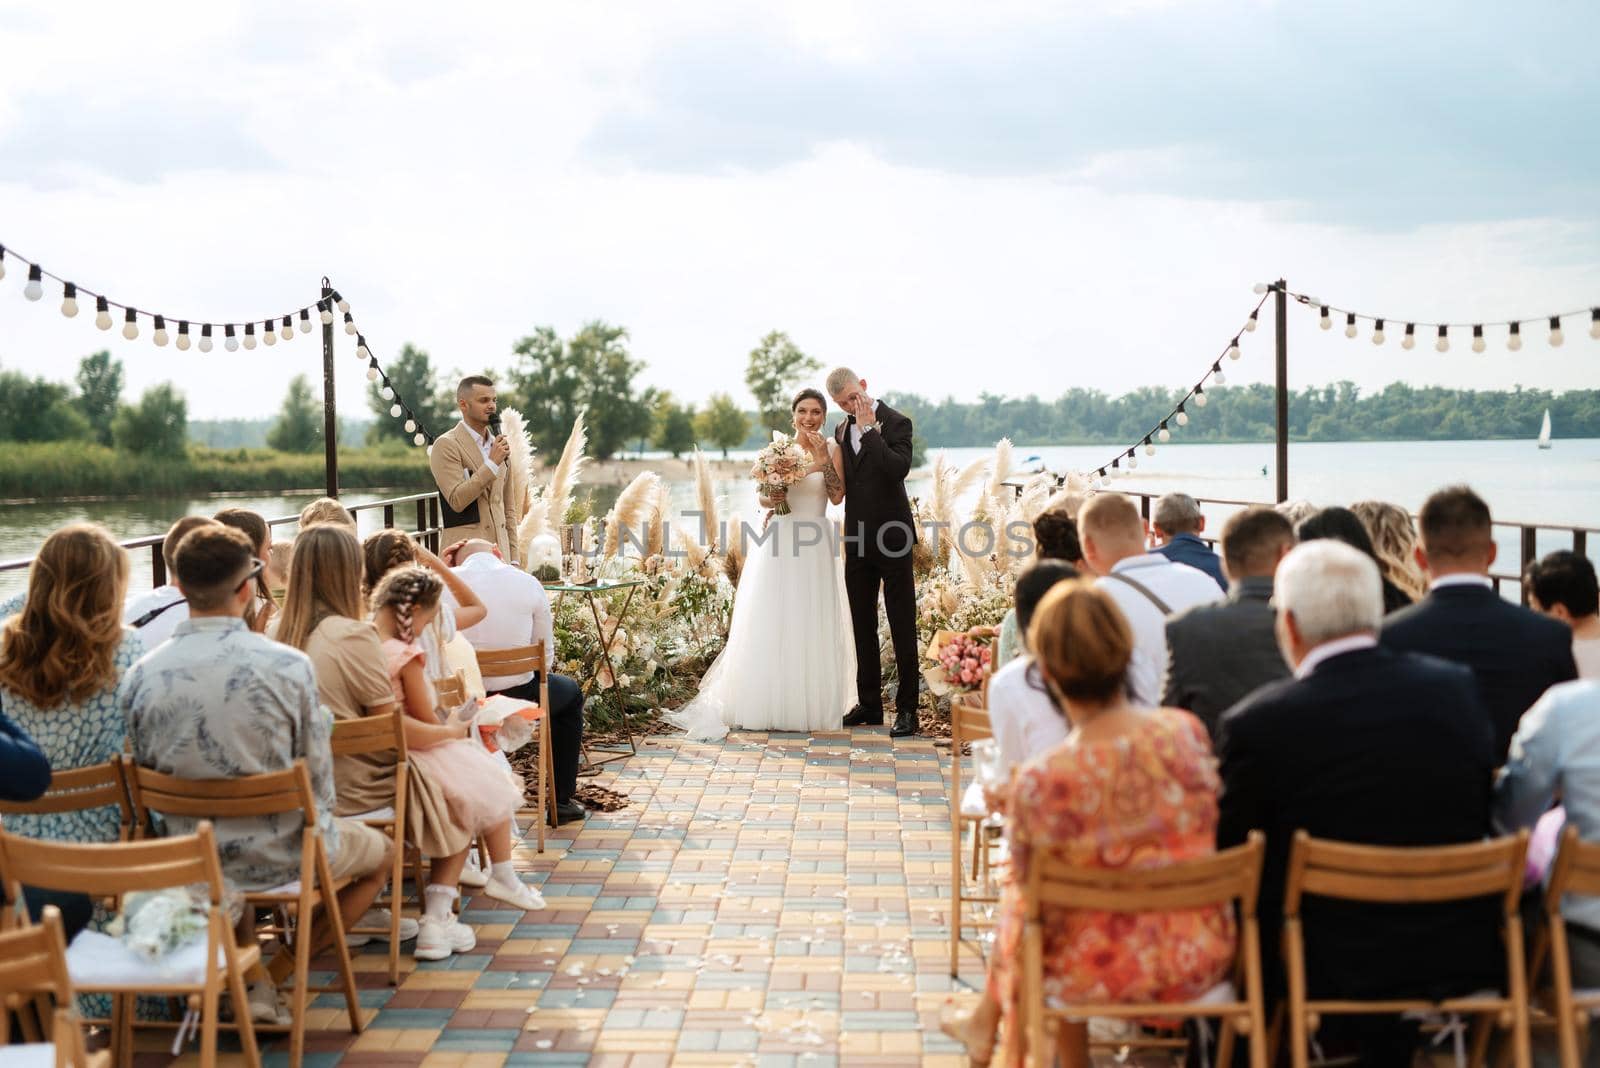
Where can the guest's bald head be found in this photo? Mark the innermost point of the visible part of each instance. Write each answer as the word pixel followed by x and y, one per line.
pixel 1111 529
pixel 475 546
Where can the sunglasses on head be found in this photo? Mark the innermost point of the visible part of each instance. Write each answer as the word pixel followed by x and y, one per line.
pixel 257 566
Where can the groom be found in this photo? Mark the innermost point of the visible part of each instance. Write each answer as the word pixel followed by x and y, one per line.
pixel 875 442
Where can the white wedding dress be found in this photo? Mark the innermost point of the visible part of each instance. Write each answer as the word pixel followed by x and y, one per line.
pixel 790 663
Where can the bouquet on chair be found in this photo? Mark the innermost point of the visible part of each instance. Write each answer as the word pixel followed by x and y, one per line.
pixel 960 659
pixel 779 466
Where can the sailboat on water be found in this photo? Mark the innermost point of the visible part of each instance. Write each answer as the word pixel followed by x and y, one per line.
pixel 1544 431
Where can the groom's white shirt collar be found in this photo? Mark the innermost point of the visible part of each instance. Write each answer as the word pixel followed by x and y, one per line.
pixel 855 427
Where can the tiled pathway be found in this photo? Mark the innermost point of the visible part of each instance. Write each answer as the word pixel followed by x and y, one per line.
pixel 770 901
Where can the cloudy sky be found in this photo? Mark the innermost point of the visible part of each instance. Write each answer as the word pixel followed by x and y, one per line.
pixel 1012 196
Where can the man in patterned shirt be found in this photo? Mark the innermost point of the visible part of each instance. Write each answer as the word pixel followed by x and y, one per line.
pixel 217 701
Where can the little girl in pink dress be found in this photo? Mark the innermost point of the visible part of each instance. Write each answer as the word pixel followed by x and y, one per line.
pixel 482 793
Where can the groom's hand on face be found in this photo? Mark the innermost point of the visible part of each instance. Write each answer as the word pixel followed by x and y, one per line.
pixel 864 414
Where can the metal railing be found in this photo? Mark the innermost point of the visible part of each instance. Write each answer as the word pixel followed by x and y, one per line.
pixel 427 530
pixel 1526 535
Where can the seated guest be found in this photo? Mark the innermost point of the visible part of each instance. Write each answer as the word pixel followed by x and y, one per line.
pixel 217 701
pixel 25 776
pixel 482 793
pixel 1055 537
pixel 1394 538
pixel 1295 511
pixel 518 615
pixel 1515 653
pixel 1562 586
pixel 1146 586
pixel 1177 526
pixel 155 615
pixel 1370 745
pixel 1341 524
pixel 61 661
pixel 1128 787
pixel 326 510
pixel 1022 714
pixel 388 549
pixel 1551 754
pixel 254 527
pixel 1218 653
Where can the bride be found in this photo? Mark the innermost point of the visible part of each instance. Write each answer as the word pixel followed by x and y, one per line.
pixel 789 664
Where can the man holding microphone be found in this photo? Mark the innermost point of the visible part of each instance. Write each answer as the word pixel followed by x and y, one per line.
pixel 469 466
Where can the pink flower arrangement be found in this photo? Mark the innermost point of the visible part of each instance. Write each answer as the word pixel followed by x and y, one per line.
pixel 779 466
pixel 964 660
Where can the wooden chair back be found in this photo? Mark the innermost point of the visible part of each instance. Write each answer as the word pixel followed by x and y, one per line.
pixel 266 794
pixel 501 663
pixel 1576 871
pixel 36 989
pixel 969 722
pixel 451 690
pixel 1230 878
pixel 1388 875
pixel 370 734
pixel 112 869
pixel 81 789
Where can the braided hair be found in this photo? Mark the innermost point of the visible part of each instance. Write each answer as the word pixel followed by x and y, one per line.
pixel 405 589
pixel 382 552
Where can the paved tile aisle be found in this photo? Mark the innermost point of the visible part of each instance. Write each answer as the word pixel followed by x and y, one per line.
pixel 772 900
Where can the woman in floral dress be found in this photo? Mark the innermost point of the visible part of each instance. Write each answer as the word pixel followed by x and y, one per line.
pixel 1129 788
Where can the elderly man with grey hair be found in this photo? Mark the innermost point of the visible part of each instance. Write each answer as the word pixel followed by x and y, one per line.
pixel 1368 745
pixel 1177 526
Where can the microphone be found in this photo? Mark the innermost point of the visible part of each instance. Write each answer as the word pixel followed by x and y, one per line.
pixel 494 425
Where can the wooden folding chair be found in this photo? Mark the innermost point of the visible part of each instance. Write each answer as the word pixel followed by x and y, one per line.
pixel 1231 877
pixel 504 663
pixel 115 869
pixel 1408 875
pixel 80 789
pixel 33 965
pixel 1576 871
pixel 375 735
pixel 263 795
pixel 969 722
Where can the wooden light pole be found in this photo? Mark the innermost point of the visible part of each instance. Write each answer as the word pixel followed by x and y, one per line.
pixel 1281 303
pixel 330 416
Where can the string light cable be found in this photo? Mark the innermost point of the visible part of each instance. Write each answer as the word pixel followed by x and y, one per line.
pixel 1443 332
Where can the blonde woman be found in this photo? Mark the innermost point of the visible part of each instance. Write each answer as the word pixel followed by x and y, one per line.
pixel 1394 538
pixel 62 658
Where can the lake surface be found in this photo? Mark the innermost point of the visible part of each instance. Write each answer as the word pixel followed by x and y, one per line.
pixel 1557 487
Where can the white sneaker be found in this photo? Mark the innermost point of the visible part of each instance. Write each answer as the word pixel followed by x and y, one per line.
pixel 472 875
pixel 380 918
pixel 517 894
pixel 437 939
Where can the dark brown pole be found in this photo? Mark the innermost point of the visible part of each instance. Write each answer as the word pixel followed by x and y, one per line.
pixel 330 415
pixel 1281 301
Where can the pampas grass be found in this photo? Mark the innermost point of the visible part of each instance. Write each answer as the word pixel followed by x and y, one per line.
pixel 519 462
pixel 660 513
pixel 558 494
pixel 706 499
pixel 534 522
pixel 634 507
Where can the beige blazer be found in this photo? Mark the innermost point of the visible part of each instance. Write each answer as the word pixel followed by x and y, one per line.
pixel 465 481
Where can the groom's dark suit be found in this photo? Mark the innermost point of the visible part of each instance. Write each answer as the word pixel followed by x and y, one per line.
pixel 879 533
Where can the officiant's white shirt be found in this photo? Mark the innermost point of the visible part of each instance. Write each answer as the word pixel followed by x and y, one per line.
pixel 519 613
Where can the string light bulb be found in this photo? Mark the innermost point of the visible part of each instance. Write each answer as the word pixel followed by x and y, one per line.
pixel 1477 337
pixel 387 391
pixel 69 300
pixel 395 409
pixel 1164 434
pixel 102 313
pixel 1443 343
pixel 372 371
pixel 205 338
pixel 160 336
pixel 1514 338
pixel 130 324
pixel 2 261
pixel 249 335
pixel 411 424
pixel 230 342
pixel 269 335
pixel 1199 397
pixel 349 324
pixel 183 335
pixel 1217 377
pixel 35 287
pixel 1133 461
pixel 1555 332
pixel 1324 321
pixel 1259 288
pixel 344 305
pixel 1377 331
pixel 1409 341
pixel 324 313
pixel 1233 350
pixel 418 440
pixel 1183 416
pixel 1594 324
pixel 286 329
pixel 1149 446
pixel 1350 324
pixel 305 320
pixel 361 347
pixel 1250 323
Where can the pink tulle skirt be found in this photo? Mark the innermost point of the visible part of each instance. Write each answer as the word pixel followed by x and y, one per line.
pixel 480 791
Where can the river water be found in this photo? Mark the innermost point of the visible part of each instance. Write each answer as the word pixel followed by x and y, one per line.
pixel 1558 487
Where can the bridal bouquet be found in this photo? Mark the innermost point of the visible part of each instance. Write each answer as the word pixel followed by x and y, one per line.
pixel 779 466
pixel 959 662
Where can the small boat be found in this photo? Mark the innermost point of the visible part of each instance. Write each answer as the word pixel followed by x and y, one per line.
pixel 1544 431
